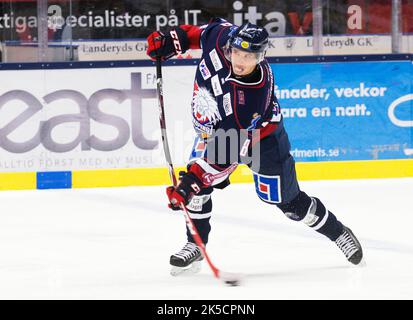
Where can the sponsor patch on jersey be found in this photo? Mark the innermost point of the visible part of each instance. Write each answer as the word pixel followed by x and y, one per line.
pixel 195 204
pixel 216 85
pixel 216 62
pixel 226 101
pixel 241 97
pixel 204 70
pixel 268 188
pixel 276 112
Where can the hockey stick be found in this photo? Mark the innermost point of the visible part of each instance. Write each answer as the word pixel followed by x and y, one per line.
pixel 228 278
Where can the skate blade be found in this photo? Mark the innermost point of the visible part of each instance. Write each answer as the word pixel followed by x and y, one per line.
pixel 195 267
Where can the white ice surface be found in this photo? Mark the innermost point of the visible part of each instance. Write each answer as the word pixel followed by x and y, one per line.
pixel 115 243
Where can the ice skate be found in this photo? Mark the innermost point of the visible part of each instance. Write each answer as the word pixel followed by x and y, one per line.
pixel 186 261
pixel 348 243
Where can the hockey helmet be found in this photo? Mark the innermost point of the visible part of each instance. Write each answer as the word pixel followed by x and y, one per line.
pixel 248 37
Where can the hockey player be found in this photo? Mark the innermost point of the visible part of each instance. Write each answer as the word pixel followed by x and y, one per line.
pixel 234 90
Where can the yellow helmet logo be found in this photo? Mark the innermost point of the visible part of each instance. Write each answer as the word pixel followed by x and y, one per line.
pixel 245 44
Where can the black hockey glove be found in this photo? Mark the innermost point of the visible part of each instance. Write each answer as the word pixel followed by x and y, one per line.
pixel 166 45
pixel 189 185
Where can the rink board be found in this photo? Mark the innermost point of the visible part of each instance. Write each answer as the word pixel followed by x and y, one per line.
pixel 96 124
pixel 159 176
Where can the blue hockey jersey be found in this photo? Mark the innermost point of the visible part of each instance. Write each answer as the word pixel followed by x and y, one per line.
pixel 221 101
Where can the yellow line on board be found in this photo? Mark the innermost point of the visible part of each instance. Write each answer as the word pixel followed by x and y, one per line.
pixel 355 169
pixel 17 180
pixel 159 176
pixel 120 177
pixel 305 171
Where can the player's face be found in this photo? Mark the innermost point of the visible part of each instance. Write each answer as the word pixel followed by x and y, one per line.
pixel 243 62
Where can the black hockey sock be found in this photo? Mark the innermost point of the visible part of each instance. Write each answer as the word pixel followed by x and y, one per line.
pixel 313 213
pixel 325 222
pixel 200 208
pixel 203 227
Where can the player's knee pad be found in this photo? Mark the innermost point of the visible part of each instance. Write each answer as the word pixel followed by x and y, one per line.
pixel 309 210
pixel 200 206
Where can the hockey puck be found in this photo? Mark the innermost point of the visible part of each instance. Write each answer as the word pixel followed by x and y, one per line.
pixel 232 283
pixel 231 279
